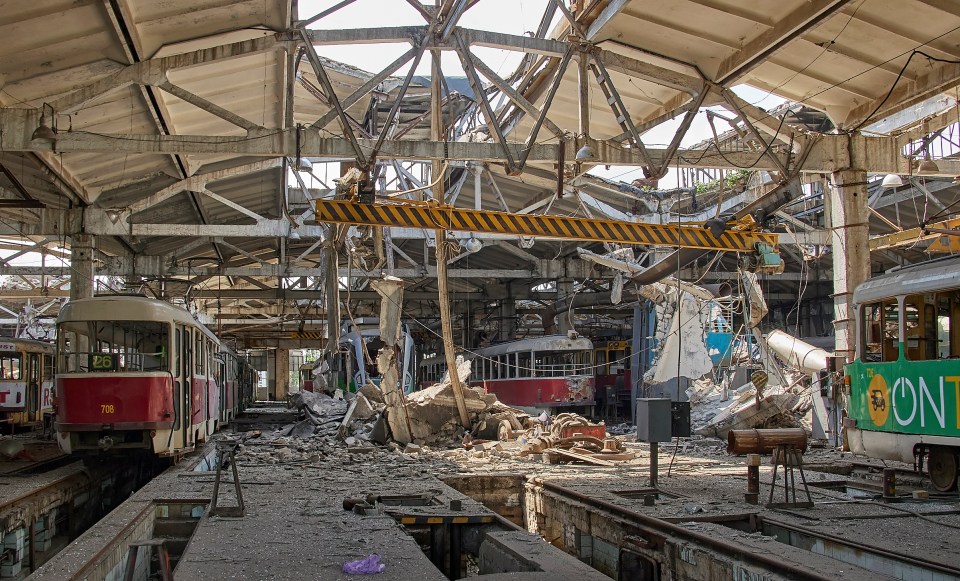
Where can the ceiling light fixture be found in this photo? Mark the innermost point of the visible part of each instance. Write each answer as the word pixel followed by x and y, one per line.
pixel 303 164
pixel 44 132
pixel 586 153
pixel 928 166
pixel 891 180
pixel 473 245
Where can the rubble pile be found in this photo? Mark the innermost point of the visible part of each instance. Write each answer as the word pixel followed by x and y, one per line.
pixel 435 419
pixel 329 417
pixel 776 406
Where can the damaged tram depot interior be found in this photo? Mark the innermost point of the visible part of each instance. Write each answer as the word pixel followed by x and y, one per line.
pixel 494 289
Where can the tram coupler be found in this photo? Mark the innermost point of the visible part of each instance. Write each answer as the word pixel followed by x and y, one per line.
pixel 105 443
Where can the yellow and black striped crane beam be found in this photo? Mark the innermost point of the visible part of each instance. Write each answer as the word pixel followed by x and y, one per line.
pixel 436 216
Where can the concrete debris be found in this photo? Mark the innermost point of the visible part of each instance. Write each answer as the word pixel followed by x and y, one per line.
pixel 364 409
pixel 773 410
pixel 327 417
pixel 435 420
pixel 372 393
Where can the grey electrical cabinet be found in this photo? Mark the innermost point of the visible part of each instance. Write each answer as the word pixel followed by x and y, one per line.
pixel 681 419
pixel 654 419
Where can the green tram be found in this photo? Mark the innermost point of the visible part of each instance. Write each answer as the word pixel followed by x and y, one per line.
pixel 904 386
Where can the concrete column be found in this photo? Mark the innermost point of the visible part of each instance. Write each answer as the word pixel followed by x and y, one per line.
pixel 846 205
pixel 565 317
pixel 508 315
pixel 636 356
pixel 271 392
pixel 81 266
pixel 644 325
pixel 281 364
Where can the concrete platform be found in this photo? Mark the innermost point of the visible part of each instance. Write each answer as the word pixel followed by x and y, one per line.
pixel 296 527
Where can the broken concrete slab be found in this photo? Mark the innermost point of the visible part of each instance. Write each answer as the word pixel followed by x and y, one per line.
pixel 750 414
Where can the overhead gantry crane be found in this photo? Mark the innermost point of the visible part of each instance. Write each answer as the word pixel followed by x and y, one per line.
pixel 759 249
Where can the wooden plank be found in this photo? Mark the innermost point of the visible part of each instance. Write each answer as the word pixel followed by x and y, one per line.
pixel 580 457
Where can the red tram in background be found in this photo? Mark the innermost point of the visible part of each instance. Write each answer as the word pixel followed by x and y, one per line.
pixel 139 374
pixel 550 372
pixel 26 382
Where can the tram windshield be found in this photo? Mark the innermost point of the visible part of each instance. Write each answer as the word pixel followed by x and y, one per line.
pixel 104 346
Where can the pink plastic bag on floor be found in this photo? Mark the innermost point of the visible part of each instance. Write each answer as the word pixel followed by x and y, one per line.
pixel 367 566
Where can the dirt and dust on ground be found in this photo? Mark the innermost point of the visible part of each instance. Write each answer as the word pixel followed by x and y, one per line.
pixel 359 424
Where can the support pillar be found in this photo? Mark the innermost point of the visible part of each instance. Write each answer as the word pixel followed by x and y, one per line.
pixel 565 316
pixel 81 266
pixel 282 373
pixel 638 354
pixel 846 204
pixel 390 290
pixel 331 282
pixel 508 316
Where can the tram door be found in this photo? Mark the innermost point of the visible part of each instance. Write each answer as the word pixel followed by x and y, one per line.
pixel 185 385
pixel 33 388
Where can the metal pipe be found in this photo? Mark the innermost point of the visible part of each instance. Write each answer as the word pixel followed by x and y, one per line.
pixel 755 441
pixel 737 552
pixel 654 463
pixel 804 356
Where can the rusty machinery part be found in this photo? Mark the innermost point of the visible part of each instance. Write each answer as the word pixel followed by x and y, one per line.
pixel 613 446
pixel 763 441
pixel 566 420
pixel 580 441
pixel 538 445
pixel 738 237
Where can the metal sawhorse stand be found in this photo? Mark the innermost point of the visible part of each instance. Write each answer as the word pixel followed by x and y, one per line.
pixel 226 451
pixel 790 458
pixel 166 573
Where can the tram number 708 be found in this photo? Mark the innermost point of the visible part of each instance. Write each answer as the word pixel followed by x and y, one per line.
pixel 107 408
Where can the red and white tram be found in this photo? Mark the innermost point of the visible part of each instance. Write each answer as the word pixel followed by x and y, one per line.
pixel 554 371
pixel 235 377
pixel 136 374
pixel 26 381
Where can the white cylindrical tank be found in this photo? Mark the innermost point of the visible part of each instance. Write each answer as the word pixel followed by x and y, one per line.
pixel 804 356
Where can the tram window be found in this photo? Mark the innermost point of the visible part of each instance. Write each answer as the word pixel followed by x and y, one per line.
pixel 879 336
pixel 34 370
pixel 47 367
pixel 602 361
pixel 11 366
pixel 198 358
pixel 524 364
pixel 920 327
pixel 208 345
pixel 557 363
pixel 948 312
